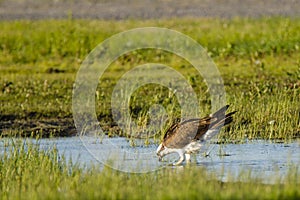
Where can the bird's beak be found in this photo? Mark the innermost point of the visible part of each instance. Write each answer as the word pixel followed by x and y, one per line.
pixel 159 157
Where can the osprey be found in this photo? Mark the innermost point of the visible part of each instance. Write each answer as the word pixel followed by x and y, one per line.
pixel 188 136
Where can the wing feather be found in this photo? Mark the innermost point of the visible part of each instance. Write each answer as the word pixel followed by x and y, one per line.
pixel 183 133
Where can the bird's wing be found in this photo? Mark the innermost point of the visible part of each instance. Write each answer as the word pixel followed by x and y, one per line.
pixel 181 134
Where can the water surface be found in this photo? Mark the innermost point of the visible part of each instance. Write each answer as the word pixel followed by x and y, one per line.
pixel 266 160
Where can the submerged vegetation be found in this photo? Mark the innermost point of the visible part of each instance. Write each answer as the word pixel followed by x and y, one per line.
pixel 258 60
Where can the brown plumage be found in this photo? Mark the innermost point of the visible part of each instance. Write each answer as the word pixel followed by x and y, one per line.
pixel 181 134
pixel 189 136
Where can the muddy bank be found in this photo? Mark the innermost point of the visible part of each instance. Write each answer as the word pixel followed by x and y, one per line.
pixel 13 125
pixel 10 126
pixel 144 9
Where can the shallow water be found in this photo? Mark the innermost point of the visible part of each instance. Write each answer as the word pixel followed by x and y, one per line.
pixel 266 160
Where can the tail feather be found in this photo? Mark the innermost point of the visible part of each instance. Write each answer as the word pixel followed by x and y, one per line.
pixel 226 120
pixel 214 128
pixel 220 112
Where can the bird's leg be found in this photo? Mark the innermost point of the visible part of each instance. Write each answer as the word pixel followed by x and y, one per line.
pixel 187 158
pixel 181 159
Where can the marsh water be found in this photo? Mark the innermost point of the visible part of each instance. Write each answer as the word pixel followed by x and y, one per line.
pixel 261 159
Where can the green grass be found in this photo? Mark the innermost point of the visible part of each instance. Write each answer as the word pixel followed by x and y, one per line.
pixel 258 59
pixel 30 173
pixel 260 65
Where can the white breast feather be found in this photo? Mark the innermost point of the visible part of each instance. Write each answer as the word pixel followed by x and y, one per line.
pixel 193 147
